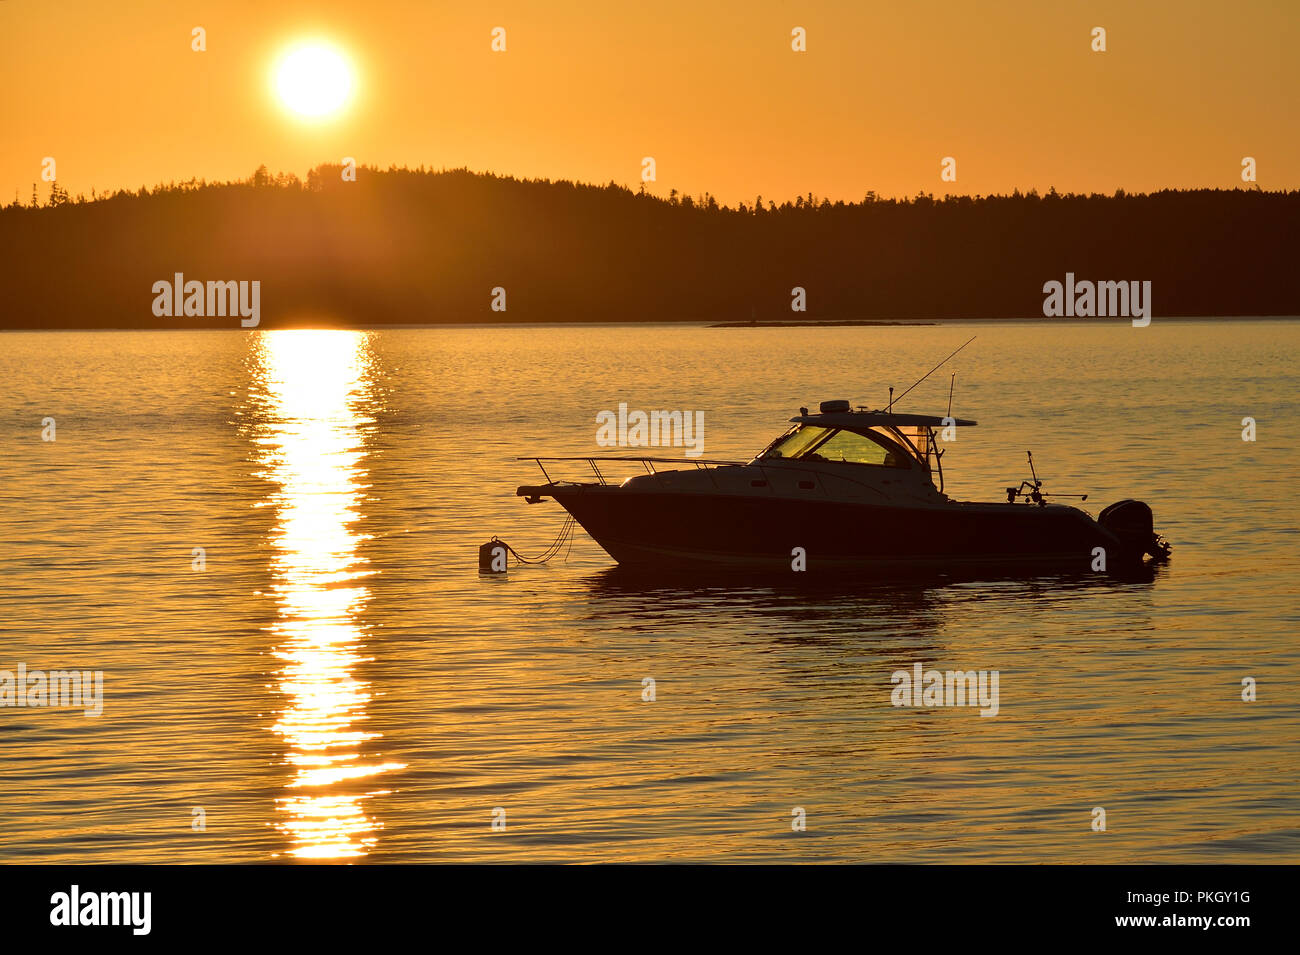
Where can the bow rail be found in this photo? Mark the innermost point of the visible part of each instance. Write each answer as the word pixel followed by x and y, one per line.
pixel 702 464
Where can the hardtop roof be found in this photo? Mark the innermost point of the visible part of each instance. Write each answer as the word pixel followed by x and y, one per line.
pixel 867 419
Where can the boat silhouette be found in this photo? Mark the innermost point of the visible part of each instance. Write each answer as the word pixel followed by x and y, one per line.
pixel 842 490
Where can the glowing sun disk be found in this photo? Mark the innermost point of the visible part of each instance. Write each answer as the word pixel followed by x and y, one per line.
pixel 313 80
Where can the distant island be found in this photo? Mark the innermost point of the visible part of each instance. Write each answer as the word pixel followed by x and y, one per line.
pixel 845 324
pixel 416 246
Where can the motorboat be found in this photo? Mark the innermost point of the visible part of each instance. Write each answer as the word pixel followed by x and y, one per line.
pixel 843 489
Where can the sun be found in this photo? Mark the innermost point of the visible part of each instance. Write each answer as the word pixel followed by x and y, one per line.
pixel 314 80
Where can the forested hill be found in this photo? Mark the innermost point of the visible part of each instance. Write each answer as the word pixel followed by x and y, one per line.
pixel 410 246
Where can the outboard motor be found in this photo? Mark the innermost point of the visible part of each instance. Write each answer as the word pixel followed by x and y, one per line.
pixel 1132 522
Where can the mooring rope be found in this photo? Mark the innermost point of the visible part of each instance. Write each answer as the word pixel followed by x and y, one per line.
pixel 565 537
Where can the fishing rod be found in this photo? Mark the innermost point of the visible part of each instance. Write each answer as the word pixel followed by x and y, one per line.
pixel 892 399
pixel 1035 492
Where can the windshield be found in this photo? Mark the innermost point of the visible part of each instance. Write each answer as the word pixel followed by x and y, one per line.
pixel 813 443
pixel 795 441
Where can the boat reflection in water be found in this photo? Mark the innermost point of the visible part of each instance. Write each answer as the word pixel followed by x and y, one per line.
pixel 312 413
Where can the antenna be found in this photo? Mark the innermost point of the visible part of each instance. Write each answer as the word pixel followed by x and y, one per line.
pixel 926 375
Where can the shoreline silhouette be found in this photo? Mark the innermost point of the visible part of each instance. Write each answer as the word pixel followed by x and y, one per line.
pixel 421 247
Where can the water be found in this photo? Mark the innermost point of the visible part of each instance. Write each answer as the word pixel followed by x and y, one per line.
pixel 340 683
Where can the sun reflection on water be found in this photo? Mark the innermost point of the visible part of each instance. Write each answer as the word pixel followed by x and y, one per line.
pixel 316 392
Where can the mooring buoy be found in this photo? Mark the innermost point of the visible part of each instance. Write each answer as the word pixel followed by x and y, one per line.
pixel 493 557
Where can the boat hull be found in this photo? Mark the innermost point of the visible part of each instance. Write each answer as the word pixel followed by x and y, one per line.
pixel 674 531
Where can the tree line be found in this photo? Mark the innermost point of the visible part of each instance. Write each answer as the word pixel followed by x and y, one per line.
pixel 403 245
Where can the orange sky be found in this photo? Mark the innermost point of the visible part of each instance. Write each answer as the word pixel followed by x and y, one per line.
pixel 1010 88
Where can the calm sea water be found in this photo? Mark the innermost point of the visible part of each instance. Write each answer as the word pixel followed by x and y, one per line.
pixel 338 682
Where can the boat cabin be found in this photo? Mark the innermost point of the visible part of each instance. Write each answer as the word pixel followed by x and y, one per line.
pixel 878 439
